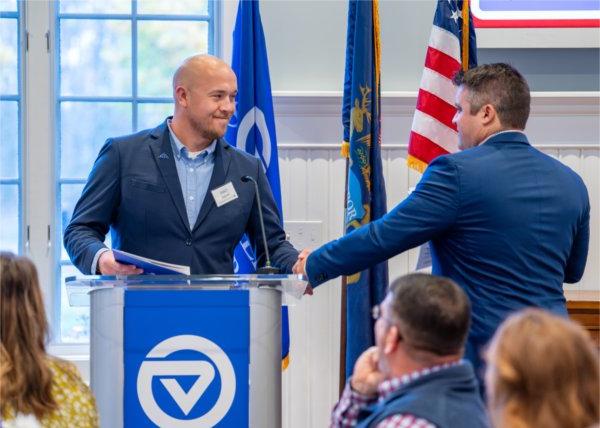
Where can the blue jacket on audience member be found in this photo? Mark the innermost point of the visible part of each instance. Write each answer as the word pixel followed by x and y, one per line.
pixel 505 221
pixel 448 398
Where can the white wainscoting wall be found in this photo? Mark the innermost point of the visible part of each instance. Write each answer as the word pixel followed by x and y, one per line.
pixel 563 124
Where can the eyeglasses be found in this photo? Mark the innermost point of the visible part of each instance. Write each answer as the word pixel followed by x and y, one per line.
pixel 377 313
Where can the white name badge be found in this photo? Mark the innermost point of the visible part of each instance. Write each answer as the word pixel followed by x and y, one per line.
pixel 224 194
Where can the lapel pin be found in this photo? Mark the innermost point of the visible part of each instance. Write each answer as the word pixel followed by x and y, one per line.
pixel 163 156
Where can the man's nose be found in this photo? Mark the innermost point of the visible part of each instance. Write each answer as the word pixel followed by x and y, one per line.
pixel 228 105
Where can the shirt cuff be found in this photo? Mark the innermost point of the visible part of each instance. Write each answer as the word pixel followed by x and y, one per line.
pixel 96 258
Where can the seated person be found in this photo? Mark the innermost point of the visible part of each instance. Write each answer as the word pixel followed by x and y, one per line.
pixel 37 389
pixel 542 371
pixel 414 376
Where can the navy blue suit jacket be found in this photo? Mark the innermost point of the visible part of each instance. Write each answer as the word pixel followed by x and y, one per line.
pixel 134 189
pixel 505 221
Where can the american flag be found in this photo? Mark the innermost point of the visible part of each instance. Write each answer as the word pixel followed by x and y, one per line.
pixel 451 46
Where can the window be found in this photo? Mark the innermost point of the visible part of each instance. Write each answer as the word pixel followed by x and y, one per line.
pixel 114 61
pixel 10 126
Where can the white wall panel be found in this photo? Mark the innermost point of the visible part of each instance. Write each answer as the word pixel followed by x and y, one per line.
pixel 564 125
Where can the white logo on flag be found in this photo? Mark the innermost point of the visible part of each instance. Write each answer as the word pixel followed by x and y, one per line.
pixel 255 116
pixel 186 401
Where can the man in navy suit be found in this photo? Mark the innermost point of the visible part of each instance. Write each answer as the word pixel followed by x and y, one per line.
pixel 174 193
pixel 506 222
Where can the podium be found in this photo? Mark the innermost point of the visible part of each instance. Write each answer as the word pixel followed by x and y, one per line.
pixel 186 351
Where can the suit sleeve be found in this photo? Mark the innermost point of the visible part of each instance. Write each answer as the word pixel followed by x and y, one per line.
pixel 428 211
pixel 579 251
pixel 283 254
pixel 95 210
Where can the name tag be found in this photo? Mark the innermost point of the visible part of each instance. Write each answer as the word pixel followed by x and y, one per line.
pixel 224 194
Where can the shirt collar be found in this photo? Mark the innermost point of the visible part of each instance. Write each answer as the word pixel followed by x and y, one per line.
pixel 389 386
pixel 180 150
pixel 504 132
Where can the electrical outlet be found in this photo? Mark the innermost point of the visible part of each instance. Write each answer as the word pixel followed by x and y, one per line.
pixel 305 234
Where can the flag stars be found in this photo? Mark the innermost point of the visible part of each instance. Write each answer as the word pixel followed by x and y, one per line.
pixel 454 16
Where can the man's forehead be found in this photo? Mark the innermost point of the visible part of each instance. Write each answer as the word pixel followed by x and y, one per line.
pixel 224 79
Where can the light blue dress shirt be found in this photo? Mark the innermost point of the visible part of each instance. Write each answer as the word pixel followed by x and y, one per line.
pixel 194 173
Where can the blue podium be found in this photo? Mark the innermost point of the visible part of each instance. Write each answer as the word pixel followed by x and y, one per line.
pixel 186 351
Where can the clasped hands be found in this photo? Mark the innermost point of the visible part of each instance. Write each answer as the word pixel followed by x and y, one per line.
pixel 299 267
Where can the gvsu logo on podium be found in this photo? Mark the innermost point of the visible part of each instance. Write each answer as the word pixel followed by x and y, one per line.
pixel 201 373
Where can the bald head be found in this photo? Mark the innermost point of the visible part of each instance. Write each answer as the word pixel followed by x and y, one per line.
pixel 204 90
pixel 196 68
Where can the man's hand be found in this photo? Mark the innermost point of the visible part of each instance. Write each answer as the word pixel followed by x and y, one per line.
pixel 299 267
pixel 107 265
pixel 367 377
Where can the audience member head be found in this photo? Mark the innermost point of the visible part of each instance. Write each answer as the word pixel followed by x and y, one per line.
pixel 423 321
pixel 542 371
pixel 25 378
pixel 490 98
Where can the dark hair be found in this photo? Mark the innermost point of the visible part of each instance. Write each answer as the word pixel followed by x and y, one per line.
pixel 433 313
pixel 501 86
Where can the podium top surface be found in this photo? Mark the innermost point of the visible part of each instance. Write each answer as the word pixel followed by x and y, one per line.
pixel 79 288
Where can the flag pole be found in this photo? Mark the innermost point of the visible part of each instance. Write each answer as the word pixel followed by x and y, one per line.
pixel 343 303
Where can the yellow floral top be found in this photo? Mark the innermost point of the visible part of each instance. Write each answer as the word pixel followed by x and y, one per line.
pixel 76 404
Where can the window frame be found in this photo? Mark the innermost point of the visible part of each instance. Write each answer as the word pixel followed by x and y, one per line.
pixel 23 230
pixel 39 147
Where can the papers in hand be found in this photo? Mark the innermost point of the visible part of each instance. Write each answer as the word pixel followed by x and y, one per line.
pixel 149 265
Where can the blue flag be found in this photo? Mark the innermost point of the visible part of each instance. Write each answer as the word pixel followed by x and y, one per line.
pixel 366 199
pixel 252 128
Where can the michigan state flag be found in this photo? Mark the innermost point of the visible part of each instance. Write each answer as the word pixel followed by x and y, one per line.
pixel 252 128
pixel 365 192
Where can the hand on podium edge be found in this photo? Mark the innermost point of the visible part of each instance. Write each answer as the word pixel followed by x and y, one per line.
pixel 107 265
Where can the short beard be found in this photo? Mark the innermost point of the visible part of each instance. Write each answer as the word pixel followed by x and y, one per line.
pixel 206 133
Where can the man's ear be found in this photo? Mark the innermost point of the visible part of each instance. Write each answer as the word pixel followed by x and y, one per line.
pixel 181 96
pixel 488 114
pixel 392 338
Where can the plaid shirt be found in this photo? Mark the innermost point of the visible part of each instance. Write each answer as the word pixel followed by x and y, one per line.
pixel 345 413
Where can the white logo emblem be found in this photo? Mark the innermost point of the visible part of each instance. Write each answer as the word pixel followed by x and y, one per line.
pixel 255 116
pixel 186 401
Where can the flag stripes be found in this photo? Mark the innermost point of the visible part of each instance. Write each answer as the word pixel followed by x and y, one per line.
pixel 432 132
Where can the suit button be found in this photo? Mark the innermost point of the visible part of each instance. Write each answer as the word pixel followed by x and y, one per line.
pixel 188 242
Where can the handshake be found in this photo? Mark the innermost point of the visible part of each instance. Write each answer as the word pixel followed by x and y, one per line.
pixel 299 267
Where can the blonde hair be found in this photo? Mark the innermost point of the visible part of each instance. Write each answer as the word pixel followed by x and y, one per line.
pixel 542 372
pixel 25 377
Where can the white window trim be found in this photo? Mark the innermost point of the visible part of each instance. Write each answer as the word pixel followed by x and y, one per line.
pixel 38 121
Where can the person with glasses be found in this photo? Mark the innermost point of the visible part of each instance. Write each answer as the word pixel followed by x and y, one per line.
pixel 415 375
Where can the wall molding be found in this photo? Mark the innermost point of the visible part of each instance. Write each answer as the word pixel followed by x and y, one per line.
pixel 297 103
pixel 396 146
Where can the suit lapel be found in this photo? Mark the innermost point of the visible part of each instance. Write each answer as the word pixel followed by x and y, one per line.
pixel 164 158
pixel 219 175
